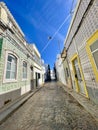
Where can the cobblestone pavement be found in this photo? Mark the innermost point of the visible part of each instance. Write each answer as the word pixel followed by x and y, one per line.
pixel 51 108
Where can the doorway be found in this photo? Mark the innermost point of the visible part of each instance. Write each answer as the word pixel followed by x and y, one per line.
pixel 78 76
pixel 36 79
pixel 32 78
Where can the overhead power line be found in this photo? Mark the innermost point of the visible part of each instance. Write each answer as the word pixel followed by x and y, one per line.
pixel 71 9
pixel 49 40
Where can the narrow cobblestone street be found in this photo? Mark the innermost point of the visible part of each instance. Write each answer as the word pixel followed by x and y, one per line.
pixel 51 108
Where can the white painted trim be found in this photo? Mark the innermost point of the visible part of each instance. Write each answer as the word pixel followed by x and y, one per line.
pixel 4 75
pixel 25 79
pixel 36 50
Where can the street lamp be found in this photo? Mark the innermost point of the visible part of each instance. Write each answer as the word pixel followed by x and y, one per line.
pixel 49 38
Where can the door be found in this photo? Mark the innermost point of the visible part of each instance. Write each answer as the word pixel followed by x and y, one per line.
pixel 78 76
pixel 36 79
pixel 32 79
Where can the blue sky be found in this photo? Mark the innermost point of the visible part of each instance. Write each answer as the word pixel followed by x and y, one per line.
pixel 39 19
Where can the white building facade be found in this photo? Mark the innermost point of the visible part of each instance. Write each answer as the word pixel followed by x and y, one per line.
pixel 60 69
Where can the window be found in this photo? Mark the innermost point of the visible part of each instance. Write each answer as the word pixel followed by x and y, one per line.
pixel 38 75
pixel 11 69
pixel 94 50
pixel 24 70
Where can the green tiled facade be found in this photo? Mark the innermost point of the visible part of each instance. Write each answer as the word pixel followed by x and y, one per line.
pixel 16 79
pixel 13 47
pixel 0 47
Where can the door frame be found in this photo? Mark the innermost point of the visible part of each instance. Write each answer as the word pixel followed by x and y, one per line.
pixel 75 56
pixel 32 77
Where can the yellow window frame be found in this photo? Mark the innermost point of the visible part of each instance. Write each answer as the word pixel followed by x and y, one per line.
pixel 75 56
pixel 90 41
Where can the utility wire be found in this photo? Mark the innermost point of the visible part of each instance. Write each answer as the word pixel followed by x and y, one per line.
pixel 55 33
pixel 71 9
pixel 51 38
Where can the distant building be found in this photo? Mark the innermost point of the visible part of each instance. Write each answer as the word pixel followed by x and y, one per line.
pixel 52 74
pixel 43 70
pixel 37 66
pixel 60 69
pixel 47 72
pixel 66 68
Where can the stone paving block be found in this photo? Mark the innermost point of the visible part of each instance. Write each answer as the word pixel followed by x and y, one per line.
pixel 51 108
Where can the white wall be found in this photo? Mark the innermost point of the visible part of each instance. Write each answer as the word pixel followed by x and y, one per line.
pixel 60 70
pixel 36 70
pixel 25 89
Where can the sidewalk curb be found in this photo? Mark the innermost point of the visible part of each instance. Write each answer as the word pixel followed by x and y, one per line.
pixel 85 103
pixel 14 106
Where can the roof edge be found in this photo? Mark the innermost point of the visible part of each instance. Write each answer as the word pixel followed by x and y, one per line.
pixel 73 18
pixel 9 13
